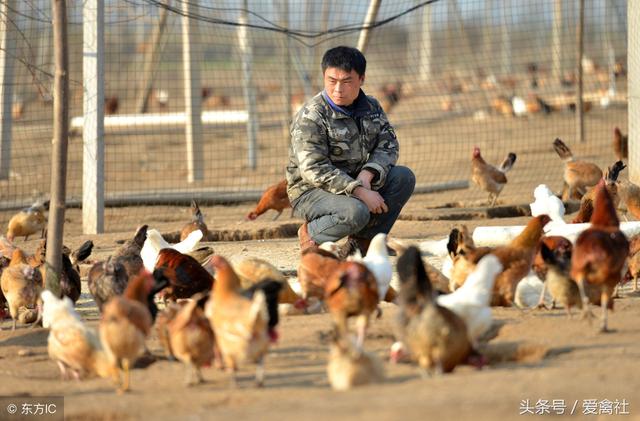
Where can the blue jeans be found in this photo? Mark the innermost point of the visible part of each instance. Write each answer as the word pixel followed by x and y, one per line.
pixel 331 216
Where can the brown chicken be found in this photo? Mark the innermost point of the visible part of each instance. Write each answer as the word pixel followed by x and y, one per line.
pixel 629 194
pixel 633 271
pixel 125 323
pixel 28 221
pixel 351 291
pixel 611 183
pixel 111 104
pixel 197 223
pixel 600 253
pixel 191 339
pixel 251 271
pixel 315 268
pixel 21 286
pixel 464 255
pixel 182 275
pixel 578 174
pixel 489 178
pixel 276 198
pixel 240 324
pixel 516 259
pixel 390 95
pixel 620 144
pixel 162 325
pixel 436 337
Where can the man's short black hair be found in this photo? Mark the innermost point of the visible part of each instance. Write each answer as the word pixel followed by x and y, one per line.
pixel 344 58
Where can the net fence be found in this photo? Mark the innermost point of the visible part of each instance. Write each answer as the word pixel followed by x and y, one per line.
pixel 451 75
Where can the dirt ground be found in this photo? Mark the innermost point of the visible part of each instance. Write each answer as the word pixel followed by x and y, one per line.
pixel 535 355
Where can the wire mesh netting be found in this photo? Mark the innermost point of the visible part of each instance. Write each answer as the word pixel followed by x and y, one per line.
pixel 451 75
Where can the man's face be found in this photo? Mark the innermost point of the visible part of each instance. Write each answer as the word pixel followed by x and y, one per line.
pixel 342 87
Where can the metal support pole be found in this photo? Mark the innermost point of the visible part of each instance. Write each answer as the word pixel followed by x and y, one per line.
pixel 633 63
pixel 9 32
pixel 286 74
pixel 192 93
pixel 93 128
pixel 150 60
pixel 55 231
pixel 246 52
pixel 556 42
pixel 372 14
pixel 425 49
pixel 505 35
pixel 579 107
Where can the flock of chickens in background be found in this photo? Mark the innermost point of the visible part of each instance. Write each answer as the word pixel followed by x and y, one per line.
pixel 226 312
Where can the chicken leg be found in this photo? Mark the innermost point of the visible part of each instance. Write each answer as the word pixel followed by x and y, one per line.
pixel 586 311
pixel 260 373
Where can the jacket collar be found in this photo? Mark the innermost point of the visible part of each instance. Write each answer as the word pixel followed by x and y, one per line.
pixel 361 108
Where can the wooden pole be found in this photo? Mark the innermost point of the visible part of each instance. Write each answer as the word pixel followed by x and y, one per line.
pixel 633 60
pixel 55 230
pixel 505 36
pixel 579 107
pixel 246 52
pixel 286 74
pixel 151 59
pixel 93 122
pixel 556 42
pixel 609 51
pixel 192 93
pixel 372 14
pixel 7 69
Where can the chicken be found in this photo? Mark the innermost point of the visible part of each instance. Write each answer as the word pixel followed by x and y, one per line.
pixel 600 253
pixel 586 203
pixel 378 263
pixel 439 280
pixel 71 344
pixel 28 221
pixel 547 203
pixel 154 243
pixel 106 280
pixel 253 270
pixel 620 144
pixel 182 274
pixel 488 177
pixel 197 223
pixel 516 259
pixel 471 300
pixel 350 291
pixel 562 288
pixel 391 93
pixel 349 366
pixel 111 104
pixel 4 263
pixel 435 336
pixel 464 255
pixel 240 324
pixel 629 194
pixel 276 198
pixel 125 323
pixel 162 322
pixel 314 270
pixel 70 284
pixel 633 271
pixel 21 286
pixel 578 174
pixel 211 100
pixel 191 339
pixel 560 246
pixel 271 290
pixel 128 254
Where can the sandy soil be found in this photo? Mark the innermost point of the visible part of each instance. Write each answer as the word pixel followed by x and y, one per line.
pixel 535 355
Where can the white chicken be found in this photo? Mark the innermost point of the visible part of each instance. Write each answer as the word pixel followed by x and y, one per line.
pixel 378 263
pixel 471 301
pixel 71 344
pixel 154 243
pixel 547 203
